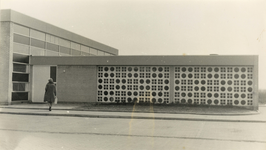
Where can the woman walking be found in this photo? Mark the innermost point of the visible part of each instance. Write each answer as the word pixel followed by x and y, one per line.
pixel 50 93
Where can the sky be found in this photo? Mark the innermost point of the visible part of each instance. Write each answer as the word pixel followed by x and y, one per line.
pixel 160 27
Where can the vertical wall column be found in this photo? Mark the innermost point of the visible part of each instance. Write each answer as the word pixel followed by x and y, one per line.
pixel 6 67
pixel 172 83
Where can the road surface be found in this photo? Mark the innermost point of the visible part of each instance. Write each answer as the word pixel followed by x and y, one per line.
pixel 29 132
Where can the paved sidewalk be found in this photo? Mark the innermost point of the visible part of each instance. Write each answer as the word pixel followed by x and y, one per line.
pixel 69 111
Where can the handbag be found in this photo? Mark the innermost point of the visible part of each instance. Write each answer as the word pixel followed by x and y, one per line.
pixel 55 100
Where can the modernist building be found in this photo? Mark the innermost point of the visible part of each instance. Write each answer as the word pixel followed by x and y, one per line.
pixel 192 80
pixel 23 36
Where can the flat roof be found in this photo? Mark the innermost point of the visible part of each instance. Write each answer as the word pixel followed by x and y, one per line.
pixel 24 20
pixel 208 60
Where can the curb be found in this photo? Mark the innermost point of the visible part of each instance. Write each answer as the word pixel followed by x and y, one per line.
pixel 132 117
pixel 189 113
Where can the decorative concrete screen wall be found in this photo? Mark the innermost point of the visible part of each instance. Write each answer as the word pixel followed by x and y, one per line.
pixel 205 85
pixel 133 83
pixel 220 85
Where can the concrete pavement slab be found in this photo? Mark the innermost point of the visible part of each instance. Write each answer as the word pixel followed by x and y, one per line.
pixel 169 109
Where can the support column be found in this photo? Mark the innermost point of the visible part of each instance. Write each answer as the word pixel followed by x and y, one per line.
pixel 172 83
pixel 6 62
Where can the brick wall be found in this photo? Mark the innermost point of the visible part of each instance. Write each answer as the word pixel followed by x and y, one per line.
pixel 76 84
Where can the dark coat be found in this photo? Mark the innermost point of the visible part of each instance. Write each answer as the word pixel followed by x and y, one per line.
pixel 50 92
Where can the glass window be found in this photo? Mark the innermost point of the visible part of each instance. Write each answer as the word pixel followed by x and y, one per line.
pixel 53 73
pixel 21 30
pixel 52 39
pixel 37 43
pixel 100 53
pixel 19 96
pixel 19 68
pixel 37 51
pixel 63 42
pixel 85 49
pixel 75 46
pixel 21 39
pixel 76 52
pixel 20 58
pixel 20 77
pixel 37 35
pixel 85 54
pixel 63 54
pixel 93 51
pixel 52 47
pixel 51 53
pixel 19 48
pixel 20 87
pixel 65 50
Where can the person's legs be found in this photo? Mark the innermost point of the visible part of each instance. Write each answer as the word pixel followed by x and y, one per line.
pixel 50 105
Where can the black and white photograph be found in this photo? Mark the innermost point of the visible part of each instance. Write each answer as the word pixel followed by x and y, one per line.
pixel 132 75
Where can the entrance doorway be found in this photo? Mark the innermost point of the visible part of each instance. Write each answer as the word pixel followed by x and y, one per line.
pixel 40 76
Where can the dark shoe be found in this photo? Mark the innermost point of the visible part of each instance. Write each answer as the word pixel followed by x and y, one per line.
pixel 50 108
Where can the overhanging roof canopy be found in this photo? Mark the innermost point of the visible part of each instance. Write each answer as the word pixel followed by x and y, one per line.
pixel 146 60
